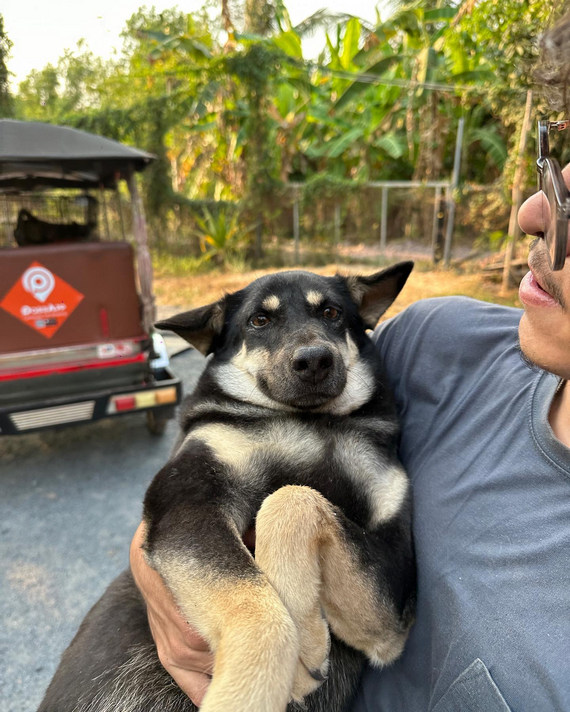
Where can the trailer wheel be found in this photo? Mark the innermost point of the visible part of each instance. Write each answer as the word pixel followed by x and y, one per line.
pixel 155 422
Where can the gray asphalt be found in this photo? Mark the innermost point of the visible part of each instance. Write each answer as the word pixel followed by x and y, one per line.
pixel 70 501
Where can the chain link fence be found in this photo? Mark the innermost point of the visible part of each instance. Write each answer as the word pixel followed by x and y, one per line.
pixel 298 227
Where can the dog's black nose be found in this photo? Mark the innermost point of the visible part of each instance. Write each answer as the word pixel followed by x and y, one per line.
pixel 312 363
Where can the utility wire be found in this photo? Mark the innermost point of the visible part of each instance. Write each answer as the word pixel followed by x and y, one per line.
pixel 357 77
pixel 368 78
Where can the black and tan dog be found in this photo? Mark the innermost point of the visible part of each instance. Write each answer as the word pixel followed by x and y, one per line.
pixel 292 428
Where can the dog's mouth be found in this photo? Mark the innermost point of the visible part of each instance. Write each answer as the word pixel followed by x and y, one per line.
pixel 308 401
pixel 301 395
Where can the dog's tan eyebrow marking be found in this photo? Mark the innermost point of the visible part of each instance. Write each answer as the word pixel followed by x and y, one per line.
pixel 314 298
pixel 271 303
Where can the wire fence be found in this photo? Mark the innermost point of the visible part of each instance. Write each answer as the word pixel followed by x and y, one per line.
pixel 299 229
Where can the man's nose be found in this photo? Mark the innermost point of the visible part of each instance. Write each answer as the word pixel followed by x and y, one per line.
pixel 534 213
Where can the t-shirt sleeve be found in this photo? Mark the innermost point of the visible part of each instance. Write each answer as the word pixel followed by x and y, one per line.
pixel 436 344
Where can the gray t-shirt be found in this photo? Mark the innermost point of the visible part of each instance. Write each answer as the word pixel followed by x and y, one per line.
pixel 491 492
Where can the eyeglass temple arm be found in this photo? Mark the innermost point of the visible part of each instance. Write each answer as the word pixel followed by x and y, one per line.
pixel 558 125
pixel 544 128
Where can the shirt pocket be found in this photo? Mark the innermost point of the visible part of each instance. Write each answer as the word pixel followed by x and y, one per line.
pixel 473 691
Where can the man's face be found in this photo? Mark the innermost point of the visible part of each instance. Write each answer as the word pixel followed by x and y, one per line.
pixel 544 329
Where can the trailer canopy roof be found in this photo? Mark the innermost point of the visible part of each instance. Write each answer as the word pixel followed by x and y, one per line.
pixel 35 155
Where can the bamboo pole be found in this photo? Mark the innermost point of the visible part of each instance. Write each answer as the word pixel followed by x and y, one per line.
pixel 514 230
pixel 384 219
pixel 105 215
pixel 336 226
pixel 144 263
pixel 450 193
pixel 435 247
pixel 296 228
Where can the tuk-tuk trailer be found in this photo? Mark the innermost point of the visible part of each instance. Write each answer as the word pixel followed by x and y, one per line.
pixel 76 304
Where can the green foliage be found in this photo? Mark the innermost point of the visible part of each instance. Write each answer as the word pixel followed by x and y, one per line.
pixel 55 93
pixel 493 143
pixel 6 100
pixel 328 187
pixel 221 236
pixel 234 112
pixel 165 263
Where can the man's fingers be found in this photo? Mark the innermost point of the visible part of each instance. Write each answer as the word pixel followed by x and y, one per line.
pixel 190 667
pixel 183 653
pixel 169 623
pixel 175 651
pixel 161 606
pixel 193 684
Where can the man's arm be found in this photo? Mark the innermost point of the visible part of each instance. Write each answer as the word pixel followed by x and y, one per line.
pixel 182 652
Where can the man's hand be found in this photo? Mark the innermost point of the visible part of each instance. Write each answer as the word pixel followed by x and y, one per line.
pixel 182 652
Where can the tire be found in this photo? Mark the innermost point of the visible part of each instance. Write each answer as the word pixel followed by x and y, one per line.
pixel 155 422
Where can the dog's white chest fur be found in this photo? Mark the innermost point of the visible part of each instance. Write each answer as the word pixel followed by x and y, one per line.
pixel 247 451
pixel 249 454
pixel 384 481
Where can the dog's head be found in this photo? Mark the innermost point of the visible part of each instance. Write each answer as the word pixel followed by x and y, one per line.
pixel 294 340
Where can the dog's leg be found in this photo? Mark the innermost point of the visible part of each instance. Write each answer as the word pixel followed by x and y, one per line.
pixel 316 558
pixel 229 601
pixel 369 587
pixel 289 529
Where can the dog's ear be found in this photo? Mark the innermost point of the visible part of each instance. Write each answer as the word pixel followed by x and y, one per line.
pixel 199 326
pixel 374 294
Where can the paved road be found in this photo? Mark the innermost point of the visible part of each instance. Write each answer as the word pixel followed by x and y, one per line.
pixel 70 501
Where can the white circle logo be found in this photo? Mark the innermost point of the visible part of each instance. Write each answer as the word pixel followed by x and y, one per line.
pixel 38 281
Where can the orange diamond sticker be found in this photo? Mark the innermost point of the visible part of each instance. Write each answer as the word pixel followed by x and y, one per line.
pixel 41 299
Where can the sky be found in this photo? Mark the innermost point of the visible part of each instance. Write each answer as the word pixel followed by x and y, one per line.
pixel 41 30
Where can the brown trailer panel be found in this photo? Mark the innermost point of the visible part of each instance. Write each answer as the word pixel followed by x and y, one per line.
pixel 67 294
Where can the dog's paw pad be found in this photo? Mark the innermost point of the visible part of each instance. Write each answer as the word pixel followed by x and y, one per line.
pixel 317 675
pixel 315 645
pixel 313 664
pixel 306 681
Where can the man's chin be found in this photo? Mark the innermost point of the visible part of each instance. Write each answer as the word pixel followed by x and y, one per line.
pixel 526 344
pixel 527 359
pixel 540 350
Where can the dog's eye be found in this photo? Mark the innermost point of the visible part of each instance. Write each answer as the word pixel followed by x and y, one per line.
pixel 259 320
pixel 331 313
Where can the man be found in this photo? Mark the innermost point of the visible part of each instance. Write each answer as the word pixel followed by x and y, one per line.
pixel 486 442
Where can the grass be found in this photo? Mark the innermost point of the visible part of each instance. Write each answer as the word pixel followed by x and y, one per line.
pixel 178 286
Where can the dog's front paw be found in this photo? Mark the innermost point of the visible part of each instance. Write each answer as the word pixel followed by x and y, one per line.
pixel 313 664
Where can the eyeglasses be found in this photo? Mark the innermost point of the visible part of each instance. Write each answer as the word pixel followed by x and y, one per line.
pixel 552 184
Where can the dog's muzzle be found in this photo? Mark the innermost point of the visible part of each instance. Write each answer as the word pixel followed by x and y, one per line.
pixel 313 364
pixel 310 376
pixel 305 375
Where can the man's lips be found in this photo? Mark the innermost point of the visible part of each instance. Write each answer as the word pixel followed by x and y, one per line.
pixel 532 292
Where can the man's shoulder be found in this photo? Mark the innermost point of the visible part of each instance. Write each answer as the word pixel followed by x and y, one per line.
pixel 435 337
pixel 446 320
pixel 461 312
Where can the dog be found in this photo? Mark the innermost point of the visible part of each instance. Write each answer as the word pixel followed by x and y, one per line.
pixel 30 230
pixel 291 428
